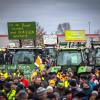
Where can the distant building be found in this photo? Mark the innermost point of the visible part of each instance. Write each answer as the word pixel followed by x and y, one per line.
pixel 3 41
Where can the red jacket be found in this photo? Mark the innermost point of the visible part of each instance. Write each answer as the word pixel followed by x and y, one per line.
pixel 25 82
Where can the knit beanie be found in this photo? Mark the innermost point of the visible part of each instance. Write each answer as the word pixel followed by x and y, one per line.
pixel 40 91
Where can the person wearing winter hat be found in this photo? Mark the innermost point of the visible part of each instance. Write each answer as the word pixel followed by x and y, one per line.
pixel 52 83
pixel 94 93
pixel 60 89
pixel 60 85
pixel 93 96
pixel 50 89
pixel 41 93
pixel 21 95
pixel 50 93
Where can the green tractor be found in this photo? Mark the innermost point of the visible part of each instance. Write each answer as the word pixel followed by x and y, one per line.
pixel 24 55
pixel 70 58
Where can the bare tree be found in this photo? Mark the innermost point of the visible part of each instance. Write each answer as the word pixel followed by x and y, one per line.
pixel 39 35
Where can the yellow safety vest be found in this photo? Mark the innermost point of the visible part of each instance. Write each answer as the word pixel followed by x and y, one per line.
pixel 11 95
pixel 66 83
pixel 5 75
pixel 43 79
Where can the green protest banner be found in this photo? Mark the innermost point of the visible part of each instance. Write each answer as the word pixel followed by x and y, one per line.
pixel 21 30
pixel 82 69
pixel 56 69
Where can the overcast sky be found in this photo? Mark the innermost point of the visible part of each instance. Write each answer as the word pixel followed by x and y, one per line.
pixel 49 13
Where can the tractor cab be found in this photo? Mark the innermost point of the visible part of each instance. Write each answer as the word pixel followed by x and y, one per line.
pixel 69 57
pixel 97 56
pixel 51 51
pixel 24 55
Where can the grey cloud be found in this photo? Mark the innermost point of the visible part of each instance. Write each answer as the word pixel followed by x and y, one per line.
pixel 49 13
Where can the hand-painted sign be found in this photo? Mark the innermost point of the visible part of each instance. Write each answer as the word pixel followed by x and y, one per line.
pixel 50 39
pixel 21 30
pixel 75 35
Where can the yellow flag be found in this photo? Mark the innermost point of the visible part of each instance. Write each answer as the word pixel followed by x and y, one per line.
pixel 38 61
pixel 42 67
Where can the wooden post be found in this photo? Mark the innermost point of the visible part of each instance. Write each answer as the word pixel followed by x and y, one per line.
pixel 20 43
pixel 34 42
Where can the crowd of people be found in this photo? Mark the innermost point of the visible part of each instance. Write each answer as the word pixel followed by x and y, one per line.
pixel 5 57
pixel 46 85
pixel 63 84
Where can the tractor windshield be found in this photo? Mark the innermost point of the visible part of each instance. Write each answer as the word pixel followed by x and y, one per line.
pixel 69 58
pixel 23 57
pixel 98 57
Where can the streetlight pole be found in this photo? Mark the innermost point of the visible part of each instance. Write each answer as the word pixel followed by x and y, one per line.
pixel 89 23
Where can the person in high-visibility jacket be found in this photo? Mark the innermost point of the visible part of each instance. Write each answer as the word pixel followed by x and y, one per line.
pixel 10 91
pixel 5 75
pixel 11 94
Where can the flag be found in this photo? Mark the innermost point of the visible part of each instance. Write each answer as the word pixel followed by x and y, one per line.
pixel 42 67
pixel 82 69
pixel 38 61
pixel 33 75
